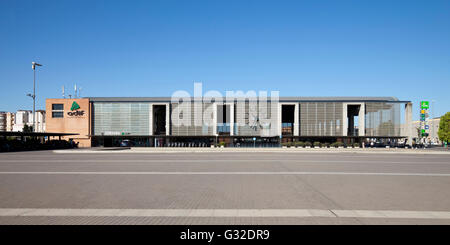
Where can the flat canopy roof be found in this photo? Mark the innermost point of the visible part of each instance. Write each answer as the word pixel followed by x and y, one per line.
pixel 9 133
pixel 282 99
pixel 235 136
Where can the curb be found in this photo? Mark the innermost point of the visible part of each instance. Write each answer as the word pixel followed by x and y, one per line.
pixel 255 150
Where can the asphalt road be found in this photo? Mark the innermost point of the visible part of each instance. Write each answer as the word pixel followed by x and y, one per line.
pixel 224 188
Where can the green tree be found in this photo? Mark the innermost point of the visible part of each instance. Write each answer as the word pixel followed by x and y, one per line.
pixel 444 128
pixel 27 129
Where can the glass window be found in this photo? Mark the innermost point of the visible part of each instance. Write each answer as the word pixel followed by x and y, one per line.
pixel 57 114
pixel 58 107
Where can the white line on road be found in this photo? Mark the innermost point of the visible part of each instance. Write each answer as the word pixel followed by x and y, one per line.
pixel 389 214
pixel 230 173
pixel 125 161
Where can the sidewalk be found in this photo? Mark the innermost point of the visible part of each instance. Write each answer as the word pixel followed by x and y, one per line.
pixel 273 150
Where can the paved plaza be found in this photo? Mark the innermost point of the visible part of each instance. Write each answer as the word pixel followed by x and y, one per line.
pixel 225 187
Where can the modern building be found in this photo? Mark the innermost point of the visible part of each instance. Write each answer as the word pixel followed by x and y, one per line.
pixel 163 121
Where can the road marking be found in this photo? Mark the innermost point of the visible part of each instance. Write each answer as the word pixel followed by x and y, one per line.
pixel 231 173
pixel 125 161
pixel 300 213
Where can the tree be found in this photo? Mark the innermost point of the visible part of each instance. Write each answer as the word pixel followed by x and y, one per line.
pixel 419 132
pixel 444 128
pixel 27 129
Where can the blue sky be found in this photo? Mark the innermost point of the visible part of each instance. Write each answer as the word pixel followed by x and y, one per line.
pixel 152 48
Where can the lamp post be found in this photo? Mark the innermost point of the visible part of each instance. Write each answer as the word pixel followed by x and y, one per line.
pixel 33 66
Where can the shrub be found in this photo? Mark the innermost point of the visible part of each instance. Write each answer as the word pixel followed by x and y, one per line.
pixel 326 145
pixel 317 143
pixel 299 144
pixel 307 143
pixel 284 143
pixel 339 144
pixel 222 143
pixel 355 144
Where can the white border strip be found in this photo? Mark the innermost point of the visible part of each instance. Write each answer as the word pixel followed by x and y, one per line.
pixel 228 173
pixel 299 161
pixel 294 213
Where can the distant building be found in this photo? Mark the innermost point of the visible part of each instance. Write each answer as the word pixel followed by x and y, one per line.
pixel 10 116
pixel 21 119
pixel 432 131
pixel 2 121
pixel 40 121
pixel 25 117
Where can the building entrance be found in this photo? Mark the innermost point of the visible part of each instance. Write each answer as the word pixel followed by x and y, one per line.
pixel 159 119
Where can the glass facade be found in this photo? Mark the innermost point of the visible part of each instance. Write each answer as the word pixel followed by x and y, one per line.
pixel 180 129
pixel 321 118
pixel 121 118
pixel 255 118
pixel 383 119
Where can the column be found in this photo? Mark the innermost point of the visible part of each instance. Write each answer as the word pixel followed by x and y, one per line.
pixel 150 119
pixel 296 119
pixel 214 118
pixel 362 120
pixel 231 118
pixel 408 123
pixel 344 120
pixel 167 119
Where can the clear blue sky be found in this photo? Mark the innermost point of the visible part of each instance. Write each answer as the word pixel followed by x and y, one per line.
pixel 152 48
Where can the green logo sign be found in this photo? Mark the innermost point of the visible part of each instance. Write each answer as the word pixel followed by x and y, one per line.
pixel 75 106
pixel 424 105
pixel 74 110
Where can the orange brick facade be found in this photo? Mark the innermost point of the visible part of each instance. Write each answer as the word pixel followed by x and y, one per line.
pixel 73 121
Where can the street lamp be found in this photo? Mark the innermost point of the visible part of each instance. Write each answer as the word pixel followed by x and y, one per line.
pixel 33 66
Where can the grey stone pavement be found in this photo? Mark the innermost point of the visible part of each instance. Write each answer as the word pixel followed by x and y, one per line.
pixel 229 187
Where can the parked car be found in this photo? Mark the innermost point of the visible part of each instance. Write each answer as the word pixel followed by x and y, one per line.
pixel 125 143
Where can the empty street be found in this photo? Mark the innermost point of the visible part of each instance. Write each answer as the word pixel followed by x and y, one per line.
pixel 254 187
